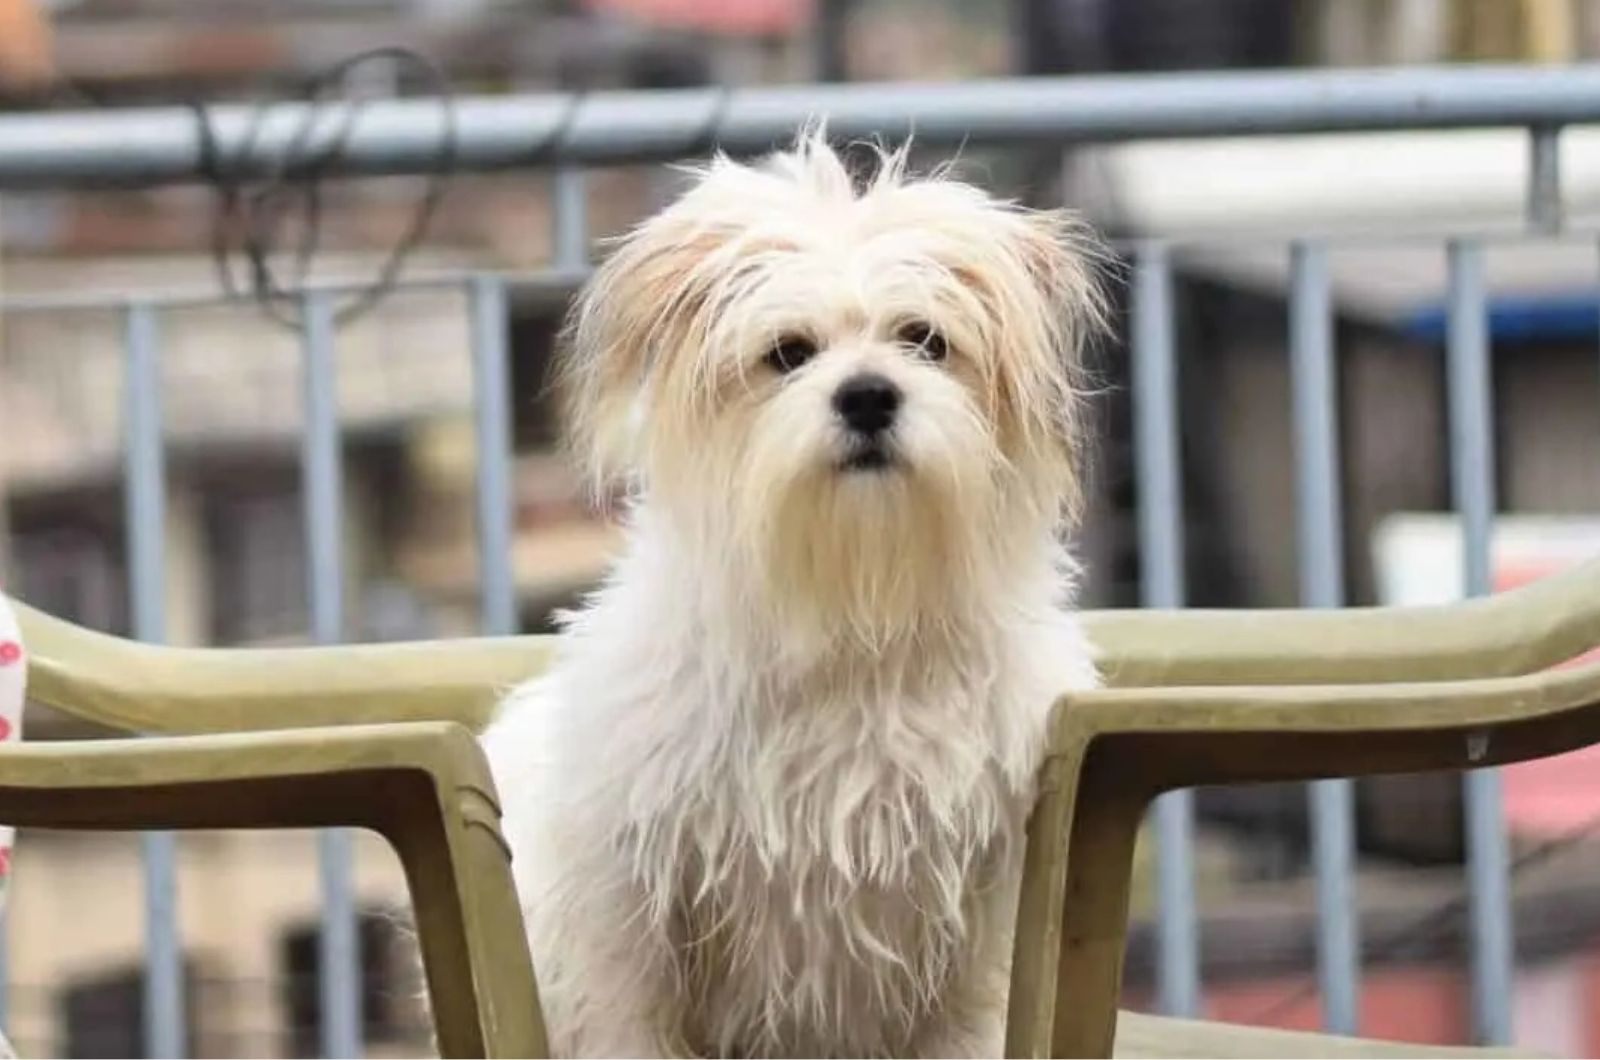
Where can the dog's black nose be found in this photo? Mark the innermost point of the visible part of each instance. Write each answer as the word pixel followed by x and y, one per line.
pixel 867 402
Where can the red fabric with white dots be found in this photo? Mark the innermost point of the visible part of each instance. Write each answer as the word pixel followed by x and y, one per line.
pixel 13 680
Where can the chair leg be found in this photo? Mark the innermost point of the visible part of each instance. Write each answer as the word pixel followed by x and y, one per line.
pixel 1072 918
pixel 475 957
pixel 1095 916
pixel 1031 1007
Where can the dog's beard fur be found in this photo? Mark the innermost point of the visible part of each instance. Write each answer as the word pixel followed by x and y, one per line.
pixel 849 559
pixel 769 799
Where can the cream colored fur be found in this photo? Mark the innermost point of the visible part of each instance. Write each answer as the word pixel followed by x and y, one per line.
pixel 771 798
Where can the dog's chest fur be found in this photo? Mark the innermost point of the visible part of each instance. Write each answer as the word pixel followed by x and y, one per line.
pixel 823 854
pixel 822 885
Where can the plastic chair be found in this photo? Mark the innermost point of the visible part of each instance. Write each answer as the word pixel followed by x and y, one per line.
pixel 1196 697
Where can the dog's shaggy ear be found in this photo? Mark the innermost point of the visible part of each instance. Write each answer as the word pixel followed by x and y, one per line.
pixel 1065 259
pixel 1043 386
pixel 641 302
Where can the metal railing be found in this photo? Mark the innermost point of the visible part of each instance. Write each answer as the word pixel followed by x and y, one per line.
pixel 145 147
pixel 149 146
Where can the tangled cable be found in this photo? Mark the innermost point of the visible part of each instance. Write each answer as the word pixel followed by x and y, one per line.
pixel 250 215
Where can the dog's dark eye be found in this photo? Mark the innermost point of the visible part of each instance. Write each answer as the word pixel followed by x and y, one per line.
pixel 928 342
pixel 790 352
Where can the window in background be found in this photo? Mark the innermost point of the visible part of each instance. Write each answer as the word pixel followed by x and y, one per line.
pixel 391 989
pixel 73 571
pixel 102 1014
pixel 258 566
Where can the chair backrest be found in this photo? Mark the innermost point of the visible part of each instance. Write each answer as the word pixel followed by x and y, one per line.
pixel 156 689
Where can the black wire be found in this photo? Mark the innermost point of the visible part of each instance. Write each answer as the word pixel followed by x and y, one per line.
pixel 249 215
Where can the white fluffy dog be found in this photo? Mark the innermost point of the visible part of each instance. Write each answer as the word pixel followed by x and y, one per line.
pixel 771 798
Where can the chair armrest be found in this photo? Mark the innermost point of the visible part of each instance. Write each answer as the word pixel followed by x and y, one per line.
pixel 1113 750
pixel 1517 632
pixel 1221 735
pixel 1182 737
pixel 425 787
pixel 136 687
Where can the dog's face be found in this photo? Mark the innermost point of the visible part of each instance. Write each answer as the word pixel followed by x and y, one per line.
pixel 868 393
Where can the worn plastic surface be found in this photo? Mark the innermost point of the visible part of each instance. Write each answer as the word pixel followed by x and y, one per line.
pixel 1196 698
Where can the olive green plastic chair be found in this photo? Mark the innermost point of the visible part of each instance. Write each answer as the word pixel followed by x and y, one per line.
pixel 1195 697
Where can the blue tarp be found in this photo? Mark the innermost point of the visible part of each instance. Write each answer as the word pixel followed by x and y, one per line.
pixel 1534 318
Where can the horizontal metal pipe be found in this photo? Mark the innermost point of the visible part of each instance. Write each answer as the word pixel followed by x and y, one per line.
pixel 136 146
pixel 559 283
pixel 544 284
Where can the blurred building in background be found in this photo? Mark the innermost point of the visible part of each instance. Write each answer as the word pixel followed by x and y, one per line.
pixel 231 386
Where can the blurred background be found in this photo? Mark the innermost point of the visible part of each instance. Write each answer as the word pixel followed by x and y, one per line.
pixel 236 559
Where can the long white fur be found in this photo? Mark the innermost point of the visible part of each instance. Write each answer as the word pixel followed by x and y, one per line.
pixel 770 799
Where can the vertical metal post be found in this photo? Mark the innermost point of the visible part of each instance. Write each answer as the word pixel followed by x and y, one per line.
pixel 1472 480
pixel 144 480
pixel 492 384
pixel 1161 564
pixel 1544 178
pixel 1314 387
pixel 570 220
pixel 830 34
pixel 338 955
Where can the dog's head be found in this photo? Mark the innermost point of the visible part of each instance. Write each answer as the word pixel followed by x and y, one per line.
pixel 868 391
